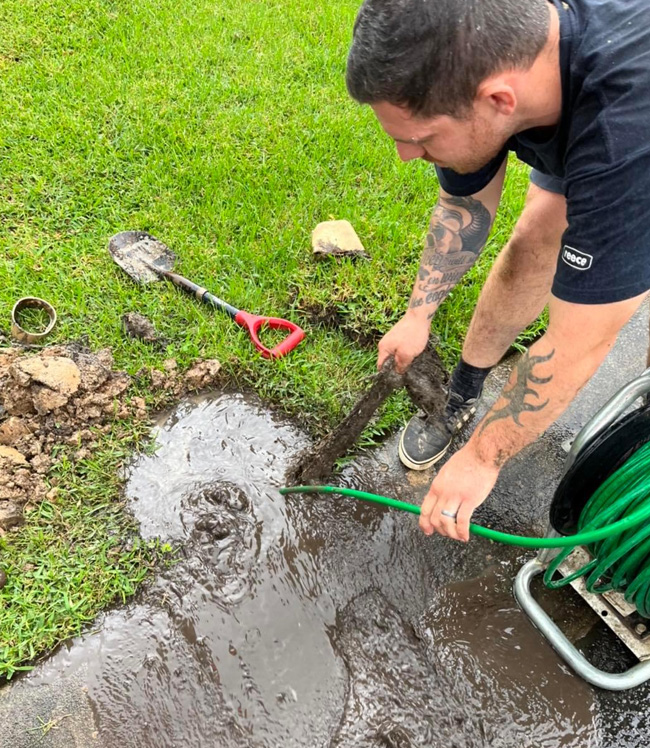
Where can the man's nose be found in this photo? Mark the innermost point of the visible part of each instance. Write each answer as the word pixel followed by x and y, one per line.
pixel 409 151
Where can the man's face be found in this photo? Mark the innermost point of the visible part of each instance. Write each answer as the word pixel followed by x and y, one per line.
pixel 464 145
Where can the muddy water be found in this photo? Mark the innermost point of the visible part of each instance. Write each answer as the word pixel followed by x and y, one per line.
pixel 309 622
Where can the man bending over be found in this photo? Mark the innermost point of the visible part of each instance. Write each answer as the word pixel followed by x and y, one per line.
pixel 566 86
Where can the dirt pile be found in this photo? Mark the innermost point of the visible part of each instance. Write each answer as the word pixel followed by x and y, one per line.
pixel 67 396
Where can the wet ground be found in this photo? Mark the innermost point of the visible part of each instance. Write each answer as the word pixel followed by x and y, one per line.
pixel 309 622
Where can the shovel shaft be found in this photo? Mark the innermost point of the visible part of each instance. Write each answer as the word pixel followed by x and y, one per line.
pixel 252 322
pixel 201 293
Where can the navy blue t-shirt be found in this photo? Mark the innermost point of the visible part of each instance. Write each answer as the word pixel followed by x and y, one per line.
pixel 600 150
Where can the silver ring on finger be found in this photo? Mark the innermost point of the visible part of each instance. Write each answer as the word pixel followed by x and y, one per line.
pixel 451 515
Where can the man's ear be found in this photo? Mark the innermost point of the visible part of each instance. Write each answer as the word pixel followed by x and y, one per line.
pixel 498 94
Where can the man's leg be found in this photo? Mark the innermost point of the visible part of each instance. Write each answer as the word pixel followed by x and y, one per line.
pixel 514 295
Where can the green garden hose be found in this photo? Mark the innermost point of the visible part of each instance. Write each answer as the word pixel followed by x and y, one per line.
pixel 612 525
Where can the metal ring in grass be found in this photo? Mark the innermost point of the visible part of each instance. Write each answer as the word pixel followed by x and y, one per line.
pixel 26 336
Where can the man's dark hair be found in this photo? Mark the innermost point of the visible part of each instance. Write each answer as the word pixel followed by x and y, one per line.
pixel 431 55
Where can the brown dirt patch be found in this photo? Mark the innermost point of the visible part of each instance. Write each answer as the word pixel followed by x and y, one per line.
pixel 331 318
pixel 66 395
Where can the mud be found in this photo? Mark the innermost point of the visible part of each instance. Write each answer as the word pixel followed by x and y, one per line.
pixel 423 381
pixel 308 621
pixel 67 397
pixel 330 317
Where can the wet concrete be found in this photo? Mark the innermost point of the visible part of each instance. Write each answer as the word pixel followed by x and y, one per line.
pixel 311 621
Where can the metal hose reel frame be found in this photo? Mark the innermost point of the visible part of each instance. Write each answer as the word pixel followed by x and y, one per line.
pixel 610 437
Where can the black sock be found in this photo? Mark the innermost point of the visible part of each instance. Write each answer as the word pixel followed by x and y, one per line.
pixel 467 380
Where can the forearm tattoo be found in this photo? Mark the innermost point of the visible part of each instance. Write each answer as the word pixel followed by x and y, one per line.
pixel 457 233
pixel 521 388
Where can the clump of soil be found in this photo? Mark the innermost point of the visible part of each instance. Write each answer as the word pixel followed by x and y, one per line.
pixel 200 376
pixel 66 395
pixel 330 317
pixel 138 326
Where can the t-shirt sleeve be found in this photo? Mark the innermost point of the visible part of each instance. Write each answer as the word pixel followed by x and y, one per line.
pixel 605 253
pixel 463 185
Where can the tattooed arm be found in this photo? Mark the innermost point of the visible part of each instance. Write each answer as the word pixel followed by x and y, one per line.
pixel 542 384
pixel 457 233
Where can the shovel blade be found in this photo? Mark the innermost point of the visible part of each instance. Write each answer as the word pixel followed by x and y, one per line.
pixel 133 251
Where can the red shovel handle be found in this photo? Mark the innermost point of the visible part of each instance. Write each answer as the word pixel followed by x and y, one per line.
pixel 253 323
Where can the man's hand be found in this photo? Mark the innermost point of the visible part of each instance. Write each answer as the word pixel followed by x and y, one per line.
pixel 461 485
pixel 405 340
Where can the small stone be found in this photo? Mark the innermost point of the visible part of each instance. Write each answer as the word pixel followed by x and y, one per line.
pixel 10 514
pixel 337 239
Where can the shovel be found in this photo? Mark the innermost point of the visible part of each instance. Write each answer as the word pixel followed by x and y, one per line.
pixel 148 260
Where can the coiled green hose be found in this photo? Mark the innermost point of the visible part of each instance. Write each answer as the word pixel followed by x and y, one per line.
pixel 612 526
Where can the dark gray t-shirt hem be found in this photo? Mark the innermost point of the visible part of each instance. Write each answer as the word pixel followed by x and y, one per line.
pixel 597 296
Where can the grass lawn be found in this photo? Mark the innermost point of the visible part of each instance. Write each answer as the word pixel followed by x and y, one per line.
pixel 224 129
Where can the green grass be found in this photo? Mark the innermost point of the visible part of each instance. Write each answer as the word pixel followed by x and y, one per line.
pixel 78 551
pixel 33 320
pixel 224 129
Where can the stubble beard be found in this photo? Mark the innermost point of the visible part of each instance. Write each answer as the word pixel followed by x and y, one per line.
pixel 488 145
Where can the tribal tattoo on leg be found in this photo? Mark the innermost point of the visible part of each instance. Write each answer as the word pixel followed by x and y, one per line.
pixel 457 233
pixel 520 390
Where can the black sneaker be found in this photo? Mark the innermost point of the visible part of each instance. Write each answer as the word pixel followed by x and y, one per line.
pixel 426 439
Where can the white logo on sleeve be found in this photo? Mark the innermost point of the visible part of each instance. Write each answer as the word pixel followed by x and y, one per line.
pixel 576 259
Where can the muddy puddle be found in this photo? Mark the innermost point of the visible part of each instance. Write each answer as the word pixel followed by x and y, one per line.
pixel 307 622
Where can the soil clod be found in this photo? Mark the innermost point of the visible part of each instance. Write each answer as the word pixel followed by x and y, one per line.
pixel 138 326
